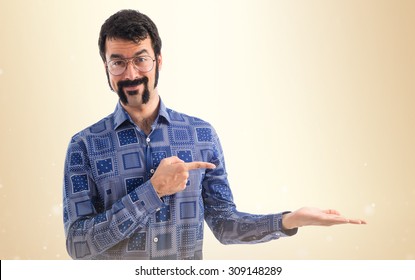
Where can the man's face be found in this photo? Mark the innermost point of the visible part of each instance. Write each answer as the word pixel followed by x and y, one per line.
pixel 134 87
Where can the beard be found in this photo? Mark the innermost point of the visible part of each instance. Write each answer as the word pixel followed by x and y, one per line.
pixel 122 94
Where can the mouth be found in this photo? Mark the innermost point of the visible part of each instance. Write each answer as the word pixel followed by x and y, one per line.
pixel 131 88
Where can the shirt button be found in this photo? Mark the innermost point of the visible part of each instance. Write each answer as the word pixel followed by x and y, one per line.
pixel 148 140
pixel 152 171
pixel 155 240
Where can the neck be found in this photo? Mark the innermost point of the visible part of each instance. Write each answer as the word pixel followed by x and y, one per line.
pixel 144 115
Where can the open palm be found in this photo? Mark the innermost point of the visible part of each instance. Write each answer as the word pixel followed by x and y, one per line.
pixel 309 216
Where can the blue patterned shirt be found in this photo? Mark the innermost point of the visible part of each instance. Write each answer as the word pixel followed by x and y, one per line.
pixel 111 210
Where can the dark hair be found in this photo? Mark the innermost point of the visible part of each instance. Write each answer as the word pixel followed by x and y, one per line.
pixel 129 25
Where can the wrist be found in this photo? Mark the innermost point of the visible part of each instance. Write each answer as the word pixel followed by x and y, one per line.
pixel 156 189
pixel 287 222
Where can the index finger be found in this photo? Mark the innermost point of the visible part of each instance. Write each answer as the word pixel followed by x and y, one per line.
pixel 199 165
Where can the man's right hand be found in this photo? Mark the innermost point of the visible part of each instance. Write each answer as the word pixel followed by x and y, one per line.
pixel 172 174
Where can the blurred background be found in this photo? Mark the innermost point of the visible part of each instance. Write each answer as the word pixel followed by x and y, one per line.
pixel 313 101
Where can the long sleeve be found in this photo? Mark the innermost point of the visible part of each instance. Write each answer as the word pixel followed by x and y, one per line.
pixel 91 229
pixel 111 210
pixel 227 224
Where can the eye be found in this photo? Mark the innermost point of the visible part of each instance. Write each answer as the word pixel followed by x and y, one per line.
pixel 140 59
pixel 117 63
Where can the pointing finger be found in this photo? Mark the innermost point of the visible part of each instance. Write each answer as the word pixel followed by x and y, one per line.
pixel 171 160
pixel 199 165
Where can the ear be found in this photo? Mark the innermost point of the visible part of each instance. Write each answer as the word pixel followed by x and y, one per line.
pixel 108 79
pixel 160 61
pixel 105 67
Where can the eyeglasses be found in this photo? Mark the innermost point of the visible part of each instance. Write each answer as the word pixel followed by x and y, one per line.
pixel 141 63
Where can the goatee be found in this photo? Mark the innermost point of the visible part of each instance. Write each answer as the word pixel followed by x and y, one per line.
pixel 127 83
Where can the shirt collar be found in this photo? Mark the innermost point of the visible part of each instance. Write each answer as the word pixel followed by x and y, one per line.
pixel 163 112
pixel 121 116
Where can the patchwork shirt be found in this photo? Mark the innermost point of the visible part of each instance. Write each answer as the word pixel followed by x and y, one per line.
pixel 111 210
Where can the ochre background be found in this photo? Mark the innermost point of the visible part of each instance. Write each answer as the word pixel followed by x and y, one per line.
pixel 314 102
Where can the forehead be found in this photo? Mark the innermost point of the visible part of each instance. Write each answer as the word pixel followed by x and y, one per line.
pixel 116 47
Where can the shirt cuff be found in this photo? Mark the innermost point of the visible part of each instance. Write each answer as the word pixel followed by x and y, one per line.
pixel 149 197
pixel 280 228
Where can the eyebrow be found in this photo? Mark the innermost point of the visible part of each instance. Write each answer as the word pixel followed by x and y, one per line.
pixel 114 55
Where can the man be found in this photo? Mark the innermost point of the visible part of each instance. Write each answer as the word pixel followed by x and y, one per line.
pixel 140 183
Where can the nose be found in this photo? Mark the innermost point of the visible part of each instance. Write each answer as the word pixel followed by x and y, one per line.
pixel 130 72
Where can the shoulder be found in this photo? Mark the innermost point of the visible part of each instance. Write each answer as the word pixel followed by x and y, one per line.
pixel 178 118
pixel 184 126
pixel 98 129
